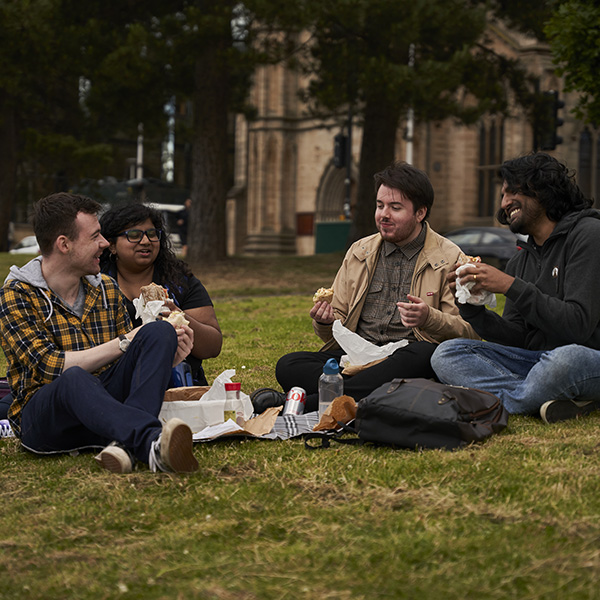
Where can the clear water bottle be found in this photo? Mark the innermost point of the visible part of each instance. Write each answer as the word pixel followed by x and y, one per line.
pixel 331 385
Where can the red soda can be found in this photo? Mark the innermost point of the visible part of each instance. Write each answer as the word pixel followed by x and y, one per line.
pixel 295 401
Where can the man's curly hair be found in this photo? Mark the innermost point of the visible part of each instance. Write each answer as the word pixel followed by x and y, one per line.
pixel 549 181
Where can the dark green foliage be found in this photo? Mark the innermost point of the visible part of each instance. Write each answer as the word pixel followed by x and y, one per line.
pixel 358 54
pixel 573 32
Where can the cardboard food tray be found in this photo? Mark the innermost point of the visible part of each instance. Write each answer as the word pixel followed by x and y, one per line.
pixel 186 394
pixel 188 404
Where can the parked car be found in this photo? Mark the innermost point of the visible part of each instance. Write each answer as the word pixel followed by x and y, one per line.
pixel 28 245
pixel 495 245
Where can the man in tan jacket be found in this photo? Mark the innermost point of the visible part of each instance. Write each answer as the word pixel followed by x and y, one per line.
pixel 391 286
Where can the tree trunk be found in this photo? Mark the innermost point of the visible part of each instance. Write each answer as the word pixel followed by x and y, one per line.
pixel 8 167
pixel 377 152
pixel 206 234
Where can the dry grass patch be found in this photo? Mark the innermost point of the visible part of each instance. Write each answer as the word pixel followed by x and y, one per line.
pixel 516 517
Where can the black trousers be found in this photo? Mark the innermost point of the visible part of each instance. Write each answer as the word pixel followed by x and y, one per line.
pixel 303 369
pixel 5 405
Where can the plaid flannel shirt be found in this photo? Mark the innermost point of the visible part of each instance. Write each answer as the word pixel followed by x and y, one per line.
pixel 37 329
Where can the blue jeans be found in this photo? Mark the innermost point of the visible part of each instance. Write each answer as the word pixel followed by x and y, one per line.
pixel 522 379
pixel 81 411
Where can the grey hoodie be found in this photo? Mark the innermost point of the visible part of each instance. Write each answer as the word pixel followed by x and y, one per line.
pixel 31 273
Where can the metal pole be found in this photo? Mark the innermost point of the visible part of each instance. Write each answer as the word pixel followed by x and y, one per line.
pixel 139 173
pixel 348 180
pixel 410 118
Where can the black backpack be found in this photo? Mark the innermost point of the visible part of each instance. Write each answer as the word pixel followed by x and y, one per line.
pixel 420 413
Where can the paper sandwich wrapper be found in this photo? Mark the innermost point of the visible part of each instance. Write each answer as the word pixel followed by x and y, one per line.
pixel 259 426
pixel 360 353
pixel 464 295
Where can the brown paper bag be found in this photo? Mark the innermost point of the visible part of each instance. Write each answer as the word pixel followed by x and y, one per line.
pixel 343 409
pixel 263 423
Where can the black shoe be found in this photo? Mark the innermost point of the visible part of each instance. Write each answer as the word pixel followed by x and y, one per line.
pixel 264 398
pixel 562 410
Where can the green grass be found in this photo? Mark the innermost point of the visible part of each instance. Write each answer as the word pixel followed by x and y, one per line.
pixel 516 517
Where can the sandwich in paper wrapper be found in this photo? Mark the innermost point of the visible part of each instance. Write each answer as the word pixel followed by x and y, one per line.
pixel 151 304
pixel 360 353
pixel 463 292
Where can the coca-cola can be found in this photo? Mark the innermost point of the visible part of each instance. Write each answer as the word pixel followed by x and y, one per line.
pixel 295 401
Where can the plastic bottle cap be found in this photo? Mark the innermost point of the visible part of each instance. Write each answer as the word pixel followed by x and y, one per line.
pixel 331 367
pixel 233 387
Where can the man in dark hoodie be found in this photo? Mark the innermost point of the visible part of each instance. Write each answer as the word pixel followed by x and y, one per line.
pixel 542 355
pixel 80 376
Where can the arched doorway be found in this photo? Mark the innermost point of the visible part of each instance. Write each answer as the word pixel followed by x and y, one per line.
pixel 331 227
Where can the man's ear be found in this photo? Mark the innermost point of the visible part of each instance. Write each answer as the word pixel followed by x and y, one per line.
pixel 62 244
pixel 421 214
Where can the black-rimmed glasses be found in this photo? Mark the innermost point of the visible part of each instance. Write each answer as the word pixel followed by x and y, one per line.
pixel 137 235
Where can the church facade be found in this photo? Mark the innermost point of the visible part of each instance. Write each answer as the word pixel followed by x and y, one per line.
pixel 290 198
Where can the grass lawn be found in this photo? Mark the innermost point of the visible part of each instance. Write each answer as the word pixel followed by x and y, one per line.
pixel 516 517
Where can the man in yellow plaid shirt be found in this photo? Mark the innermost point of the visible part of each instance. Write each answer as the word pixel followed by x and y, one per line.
pixel 81 378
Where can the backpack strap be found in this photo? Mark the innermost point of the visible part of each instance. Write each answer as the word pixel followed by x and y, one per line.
pixel 326 437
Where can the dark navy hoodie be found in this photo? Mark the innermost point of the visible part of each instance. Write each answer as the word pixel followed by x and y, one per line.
pixel 555 298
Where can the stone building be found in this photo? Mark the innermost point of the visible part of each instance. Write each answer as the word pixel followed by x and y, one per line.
pixel 288 196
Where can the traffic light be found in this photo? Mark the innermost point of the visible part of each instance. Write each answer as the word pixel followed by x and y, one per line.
pixel 339 150
pixel 547 121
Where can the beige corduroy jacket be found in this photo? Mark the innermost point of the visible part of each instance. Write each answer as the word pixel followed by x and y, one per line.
pixel 428 283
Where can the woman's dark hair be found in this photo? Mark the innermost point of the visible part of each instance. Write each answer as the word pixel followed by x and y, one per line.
pixel 544 178
pixel 412 182
pixel 168 268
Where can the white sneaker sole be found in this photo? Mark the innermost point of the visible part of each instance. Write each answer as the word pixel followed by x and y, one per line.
pixel 113 462
pixel 555 411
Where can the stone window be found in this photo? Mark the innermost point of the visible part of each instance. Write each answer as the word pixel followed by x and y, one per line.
pixel 491 138
pixel 588 173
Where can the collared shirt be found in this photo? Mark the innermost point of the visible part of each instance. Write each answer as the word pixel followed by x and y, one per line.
pixel 37 328
pixel 380 321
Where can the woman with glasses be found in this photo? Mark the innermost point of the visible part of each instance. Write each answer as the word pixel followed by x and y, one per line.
pixel 140 253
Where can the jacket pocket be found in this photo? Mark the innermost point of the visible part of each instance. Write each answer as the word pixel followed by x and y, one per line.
pixel 372 305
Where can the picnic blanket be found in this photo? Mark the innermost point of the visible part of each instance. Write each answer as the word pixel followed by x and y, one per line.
pixel 290 426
